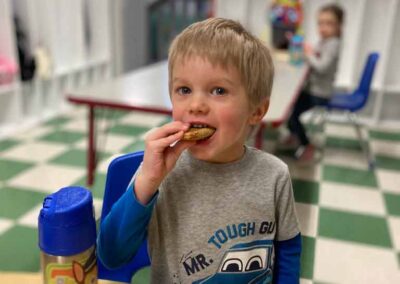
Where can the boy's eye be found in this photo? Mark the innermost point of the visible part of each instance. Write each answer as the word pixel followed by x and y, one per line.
pixel 183 90
pixel 218 91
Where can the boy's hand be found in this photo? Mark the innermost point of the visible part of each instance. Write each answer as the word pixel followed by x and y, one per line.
pixel 159 158
pixel 308 49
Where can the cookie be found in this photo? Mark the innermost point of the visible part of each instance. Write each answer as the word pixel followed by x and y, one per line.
pixel 194 134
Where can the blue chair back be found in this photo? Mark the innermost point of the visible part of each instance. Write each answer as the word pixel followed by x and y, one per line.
pixel 366 78
pixel 358 98
pixel 119 174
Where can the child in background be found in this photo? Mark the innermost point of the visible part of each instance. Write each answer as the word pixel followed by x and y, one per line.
pixel 318 89
pixel 214 210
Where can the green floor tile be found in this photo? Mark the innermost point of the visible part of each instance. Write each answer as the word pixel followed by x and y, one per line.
pixel 381 135
pixel 10 168
pixel 129 130
pixel 139 145
pixel 110 114
pixel 307 257
pixel 285 152
pixel 7 144
pixel 76 157
pixel 349 175
pixel 271 134
pixel 354 227
pixel 58 121
pixel 142 276
pixel 388 163
pixel 342 143
pixel 14 202
pixel 97 188
pixel 313 128
pixel 306 191
pixel 65 137
pixel 392 203
pixel 19 250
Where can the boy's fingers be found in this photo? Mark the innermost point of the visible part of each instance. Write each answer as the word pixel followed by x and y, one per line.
pixel 166 141
pixel 180 147
pixel 166 130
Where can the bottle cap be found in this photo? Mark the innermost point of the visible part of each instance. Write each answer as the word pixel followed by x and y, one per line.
pixel 66 222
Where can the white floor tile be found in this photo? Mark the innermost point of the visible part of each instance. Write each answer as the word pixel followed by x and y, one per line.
pixel 308 218
pixel 77 125
pixel 103 166
pixel 30 219
pixel 111 143
pixel 114 143
pixel 344 131
pixel 388 180
pixel 97 204
pixel 305 281
pixel 35 151
pixel 5 225
pixel 342 262
pixel 143 119
pixel 394 228
pixel 47 178
pixel 386 148
pixel 77 112
pixel 347 158
pixel 387 127
pixel 351 198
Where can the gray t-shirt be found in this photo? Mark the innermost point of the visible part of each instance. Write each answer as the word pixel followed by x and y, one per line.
pixel 212 222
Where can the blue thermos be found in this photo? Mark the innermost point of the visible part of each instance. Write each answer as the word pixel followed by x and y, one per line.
pixel 67 237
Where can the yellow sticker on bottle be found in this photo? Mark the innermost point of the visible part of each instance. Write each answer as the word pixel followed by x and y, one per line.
pixel 75 272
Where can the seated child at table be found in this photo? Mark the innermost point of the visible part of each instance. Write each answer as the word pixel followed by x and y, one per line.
pixel 213 208
pixel 318 89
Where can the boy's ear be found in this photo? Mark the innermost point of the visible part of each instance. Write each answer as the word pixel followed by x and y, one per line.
pixel 259 112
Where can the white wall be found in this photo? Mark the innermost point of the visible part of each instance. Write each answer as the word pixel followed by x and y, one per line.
pixel 78 49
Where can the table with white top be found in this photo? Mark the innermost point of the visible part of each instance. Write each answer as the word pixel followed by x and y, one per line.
pixel 146 89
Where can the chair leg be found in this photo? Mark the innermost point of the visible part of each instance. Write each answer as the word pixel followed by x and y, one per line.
pixel 314 119
pixel 364 146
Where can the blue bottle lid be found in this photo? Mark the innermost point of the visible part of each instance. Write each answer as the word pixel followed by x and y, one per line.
pixel 66 222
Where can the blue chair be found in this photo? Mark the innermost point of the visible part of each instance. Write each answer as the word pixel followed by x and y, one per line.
pixel 119 174
pixel 351 103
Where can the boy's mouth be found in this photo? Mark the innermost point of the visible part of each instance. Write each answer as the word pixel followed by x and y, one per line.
pixel 198 132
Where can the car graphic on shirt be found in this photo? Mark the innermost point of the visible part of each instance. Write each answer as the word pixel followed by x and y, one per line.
pixel 244 263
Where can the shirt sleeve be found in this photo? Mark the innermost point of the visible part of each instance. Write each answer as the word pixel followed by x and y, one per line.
pixel 328 55
pixel 124 229
pixel 287 261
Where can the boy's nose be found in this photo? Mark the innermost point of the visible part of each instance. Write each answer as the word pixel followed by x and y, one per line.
pixel 198 105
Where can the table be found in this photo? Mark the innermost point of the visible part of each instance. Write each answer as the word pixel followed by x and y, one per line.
pixel 146 89
pixel 31 278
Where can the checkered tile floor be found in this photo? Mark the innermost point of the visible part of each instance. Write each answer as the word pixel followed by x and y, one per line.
pixel 350 217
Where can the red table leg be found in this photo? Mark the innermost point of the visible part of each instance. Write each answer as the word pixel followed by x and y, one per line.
pixel 259 136
pixel 91 154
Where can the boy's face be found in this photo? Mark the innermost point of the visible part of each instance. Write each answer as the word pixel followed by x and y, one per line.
pixel 328 25
pixel 209 95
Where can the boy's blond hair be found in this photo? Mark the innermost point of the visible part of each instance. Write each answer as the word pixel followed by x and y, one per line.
pixel 226 43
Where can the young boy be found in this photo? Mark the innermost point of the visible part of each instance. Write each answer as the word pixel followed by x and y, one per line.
pixel 213 210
